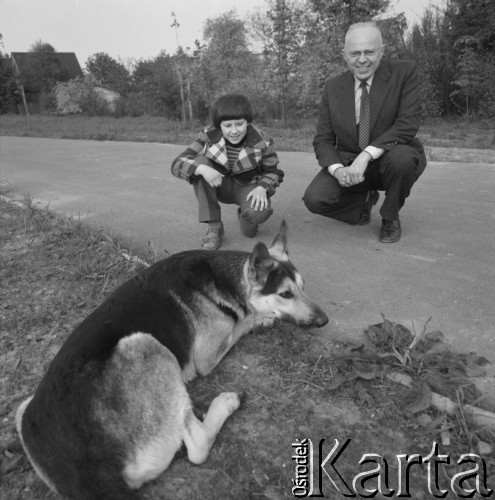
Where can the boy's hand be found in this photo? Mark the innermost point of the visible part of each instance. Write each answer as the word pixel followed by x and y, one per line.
pixel 259 198
pixel 210 175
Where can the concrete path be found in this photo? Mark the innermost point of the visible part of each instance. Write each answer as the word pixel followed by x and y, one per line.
pixel 443 267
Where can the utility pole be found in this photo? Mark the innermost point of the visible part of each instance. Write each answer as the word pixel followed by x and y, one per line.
pixel 23 95
pixel 178 68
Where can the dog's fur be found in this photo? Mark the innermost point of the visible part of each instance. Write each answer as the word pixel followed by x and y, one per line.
pixel 112 409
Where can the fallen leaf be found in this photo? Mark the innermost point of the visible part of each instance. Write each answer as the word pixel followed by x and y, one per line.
pixel 475 371
pixel 368 371
pixel 422 400
pixel 363 395
pixel 338 380
pixel 435 337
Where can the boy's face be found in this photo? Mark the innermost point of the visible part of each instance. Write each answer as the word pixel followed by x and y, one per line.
pixel 234 130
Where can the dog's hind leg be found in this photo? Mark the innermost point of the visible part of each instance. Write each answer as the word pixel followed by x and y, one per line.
pixel 143 404
pixel 200 436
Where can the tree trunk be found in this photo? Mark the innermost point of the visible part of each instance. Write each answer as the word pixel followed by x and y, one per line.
pixel 182 101
pixel 189 98
pixel 352 10
pixel 283 111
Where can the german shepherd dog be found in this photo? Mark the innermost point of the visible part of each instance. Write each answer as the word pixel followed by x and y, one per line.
pixel 113 409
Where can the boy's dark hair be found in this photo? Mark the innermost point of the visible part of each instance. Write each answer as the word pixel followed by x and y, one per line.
pixel 231 107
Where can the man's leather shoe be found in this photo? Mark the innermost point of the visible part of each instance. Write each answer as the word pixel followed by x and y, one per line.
pixel 364 216
pixel 390 231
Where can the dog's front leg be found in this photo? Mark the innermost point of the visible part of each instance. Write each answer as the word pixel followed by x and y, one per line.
pixel 209 354
pixel 241 328
pixel 200 436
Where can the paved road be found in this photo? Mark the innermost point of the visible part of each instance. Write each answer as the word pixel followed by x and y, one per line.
pixel 444 265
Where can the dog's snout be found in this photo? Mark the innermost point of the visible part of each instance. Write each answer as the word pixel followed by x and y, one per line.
pixel 321 319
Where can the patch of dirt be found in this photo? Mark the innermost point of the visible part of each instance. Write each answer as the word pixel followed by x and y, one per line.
pixel 55 271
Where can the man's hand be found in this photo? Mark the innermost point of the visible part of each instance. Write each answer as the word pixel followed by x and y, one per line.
pixel 259 198
pixel 210 175
pixel 355 171
pixel 341 174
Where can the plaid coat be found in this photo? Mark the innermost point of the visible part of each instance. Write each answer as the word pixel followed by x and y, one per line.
pixel 257 162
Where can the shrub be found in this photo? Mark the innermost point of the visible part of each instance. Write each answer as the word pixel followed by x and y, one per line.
pixel 48 102
pixel 70 96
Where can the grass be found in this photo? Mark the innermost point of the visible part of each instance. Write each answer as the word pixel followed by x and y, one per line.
pixel 296 135
pixel 55 271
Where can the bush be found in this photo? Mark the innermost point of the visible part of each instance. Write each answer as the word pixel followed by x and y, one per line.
pixel 94 105
pixel 85 96
pixel 48 102
pixel 70 96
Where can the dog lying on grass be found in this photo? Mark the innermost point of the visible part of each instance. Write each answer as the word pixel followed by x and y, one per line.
pixel 113 409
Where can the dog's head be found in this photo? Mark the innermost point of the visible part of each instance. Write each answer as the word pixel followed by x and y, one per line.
pixel 277 288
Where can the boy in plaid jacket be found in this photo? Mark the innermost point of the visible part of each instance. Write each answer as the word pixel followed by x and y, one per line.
pixel 231 162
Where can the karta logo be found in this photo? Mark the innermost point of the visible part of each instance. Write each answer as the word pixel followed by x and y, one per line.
pixel 375 480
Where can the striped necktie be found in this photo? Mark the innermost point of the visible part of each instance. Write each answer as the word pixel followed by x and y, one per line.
pixel 364 117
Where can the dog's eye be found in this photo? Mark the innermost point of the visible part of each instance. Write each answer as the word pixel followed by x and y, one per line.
pixel 287 294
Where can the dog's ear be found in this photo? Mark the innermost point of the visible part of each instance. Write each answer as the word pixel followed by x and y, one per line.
pixel 279 248
pixel 260 264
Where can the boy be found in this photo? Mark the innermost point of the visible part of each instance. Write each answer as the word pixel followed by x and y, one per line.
pixel 231 162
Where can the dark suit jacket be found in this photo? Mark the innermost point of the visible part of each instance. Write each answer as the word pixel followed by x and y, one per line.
pixel 395 113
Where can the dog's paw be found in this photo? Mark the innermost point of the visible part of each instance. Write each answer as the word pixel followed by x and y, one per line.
pixel 265 322
pixel 228 402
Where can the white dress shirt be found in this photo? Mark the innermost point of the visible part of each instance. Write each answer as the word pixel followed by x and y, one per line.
pixel 373 151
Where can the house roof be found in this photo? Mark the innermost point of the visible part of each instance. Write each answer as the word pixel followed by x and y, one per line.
pixel 23 60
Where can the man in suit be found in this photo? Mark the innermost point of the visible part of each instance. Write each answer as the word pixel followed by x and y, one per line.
pixel 365 137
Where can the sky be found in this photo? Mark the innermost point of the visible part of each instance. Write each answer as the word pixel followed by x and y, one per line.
pixel 127 29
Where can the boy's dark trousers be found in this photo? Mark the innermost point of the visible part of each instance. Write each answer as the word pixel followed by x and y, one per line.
pixel 230 192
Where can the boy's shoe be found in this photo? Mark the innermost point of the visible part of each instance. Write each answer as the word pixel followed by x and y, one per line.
pixel 214 236
pixel 248 228
pixel 364 216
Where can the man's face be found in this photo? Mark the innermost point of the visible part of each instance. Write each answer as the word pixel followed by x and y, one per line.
pixel 363 51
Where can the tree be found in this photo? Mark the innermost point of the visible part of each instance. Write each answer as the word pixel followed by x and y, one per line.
pixel 454 48
pixel 282 47
pixel 183 68
pixel 154 88
pixel 9 92
pixel 475 19
pixel 348 11
pixel 472 43
pixel 184 71
pixel 428 47
pixel 469 76
pixel 225 62
pixel 108 72
pixel 45 69
pixel 487 101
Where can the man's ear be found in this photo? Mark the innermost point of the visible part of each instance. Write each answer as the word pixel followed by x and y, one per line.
pixel 279 248
pixel 260 264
